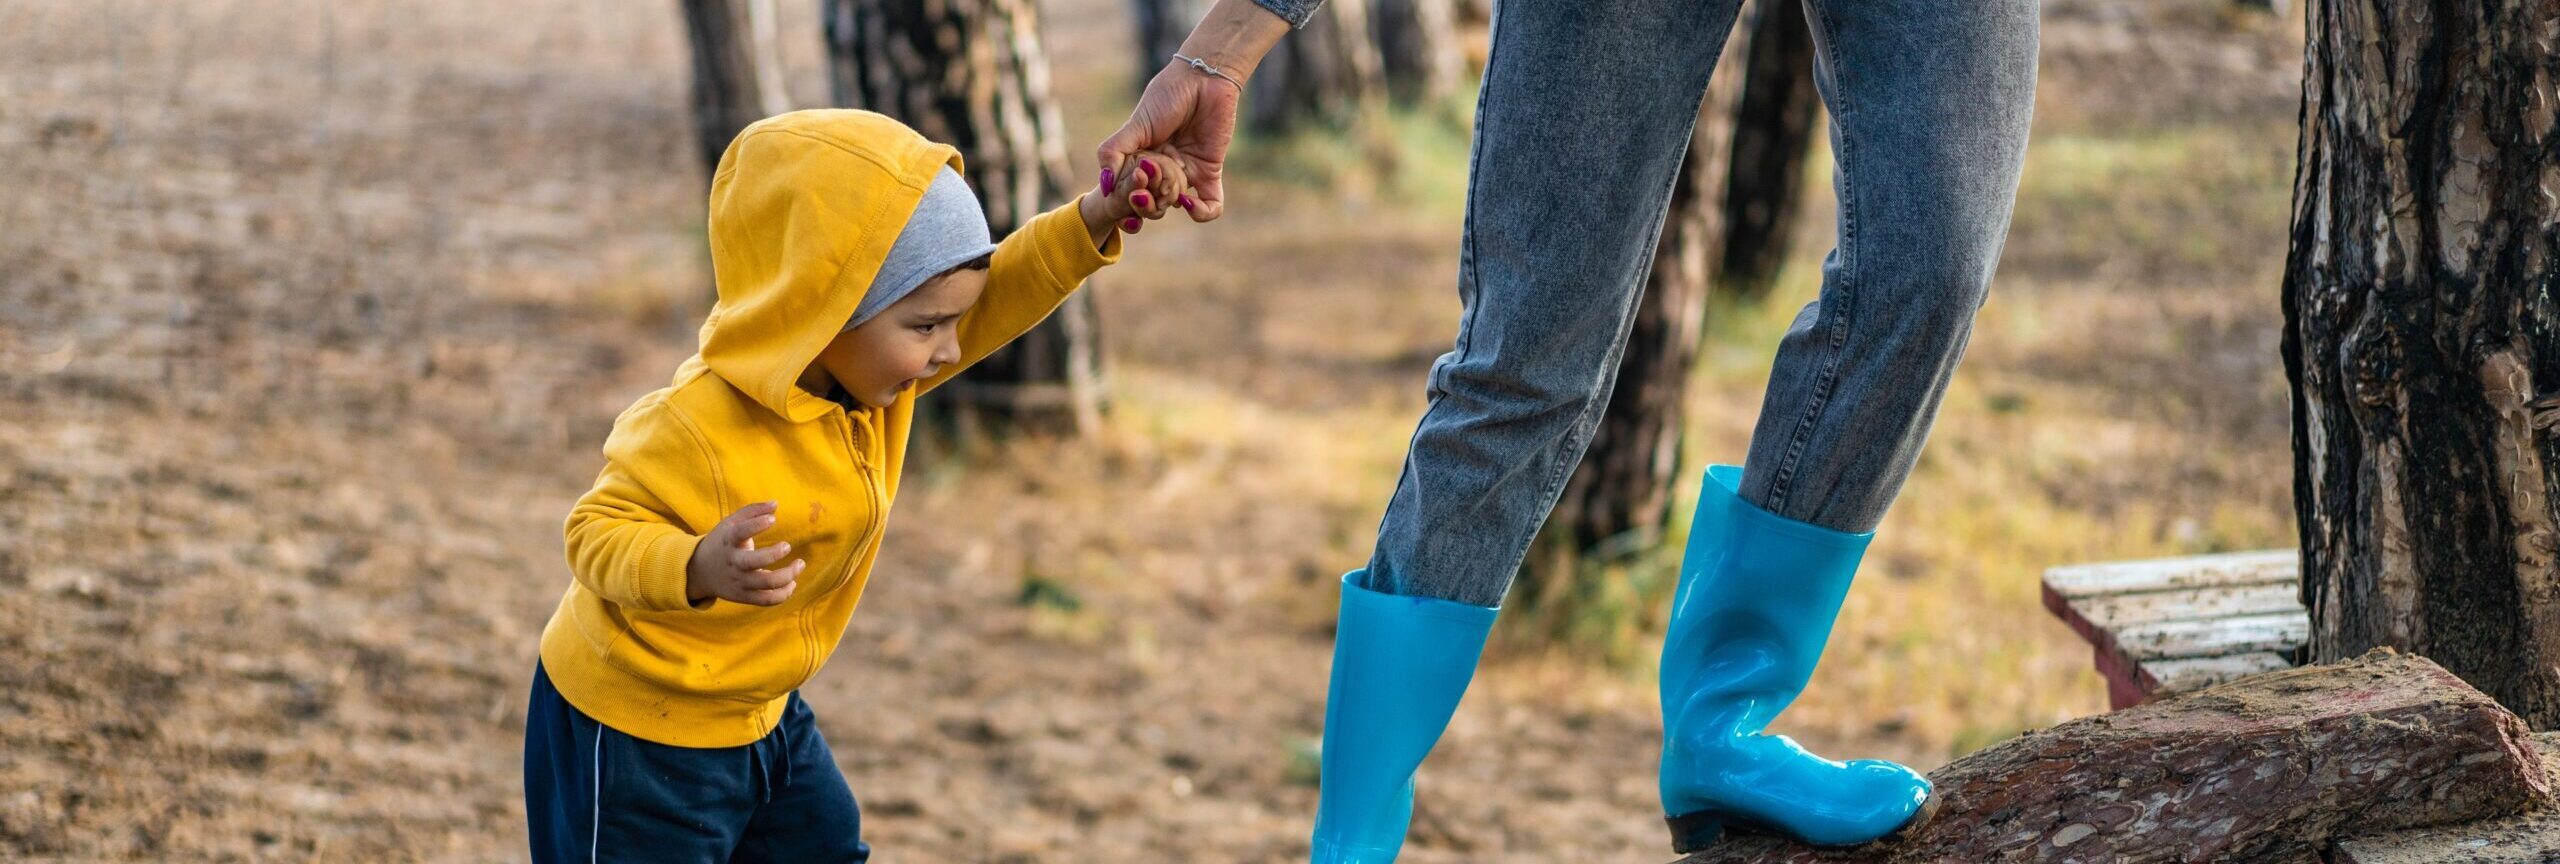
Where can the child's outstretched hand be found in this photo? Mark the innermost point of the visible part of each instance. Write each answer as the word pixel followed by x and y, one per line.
pixel 726 563
pixel 1152 186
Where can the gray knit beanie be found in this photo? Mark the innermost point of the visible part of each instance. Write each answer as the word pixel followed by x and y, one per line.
pixel 948 229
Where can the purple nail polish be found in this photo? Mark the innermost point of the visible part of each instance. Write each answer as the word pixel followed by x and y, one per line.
pixel 1149 166
pixel 1130 225
pixel 1106 181
pixel 1187 203
pixel 1142 201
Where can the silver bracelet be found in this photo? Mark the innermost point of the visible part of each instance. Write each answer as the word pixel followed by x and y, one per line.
pixel 1203 66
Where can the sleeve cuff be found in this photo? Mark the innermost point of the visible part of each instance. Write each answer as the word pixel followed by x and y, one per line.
pixel 657 578
pixel 1066 247
pixel 1296 12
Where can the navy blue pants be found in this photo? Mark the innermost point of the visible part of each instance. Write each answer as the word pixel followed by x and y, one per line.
pixel 594 794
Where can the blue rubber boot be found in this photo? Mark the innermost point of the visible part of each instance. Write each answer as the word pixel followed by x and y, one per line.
pixel 1399 666
pixel 1757 596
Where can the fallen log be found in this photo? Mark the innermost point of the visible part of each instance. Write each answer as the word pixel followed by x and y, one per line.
pixel 2270 768
pixel 2529 838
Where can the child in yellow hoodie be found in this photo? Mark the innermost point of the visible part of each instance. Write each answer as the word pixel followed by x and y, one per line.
pixel 855 272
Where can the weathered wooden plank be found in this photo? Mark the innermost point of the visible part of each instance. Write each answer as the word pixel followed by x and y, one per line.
pixel 2174 624
pixel 2164 574
pixel 2117 611
pixel 2062 608
pixel 2164 677
pixel 2529 838
pixel 2278 633
pixel 2271 768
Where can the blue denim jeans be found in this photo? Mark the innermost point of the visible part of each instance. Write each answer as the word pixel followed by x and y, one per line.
pixel 1586 111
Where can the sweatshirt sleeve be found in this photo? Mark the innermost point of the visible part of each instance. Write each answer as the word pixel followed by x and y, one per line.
pixel 1296 12
pixel 1032 271
pixel 627 542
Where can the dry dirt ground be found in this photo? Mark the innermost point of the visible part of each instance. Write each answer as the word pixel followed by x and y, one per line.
pixel 313 316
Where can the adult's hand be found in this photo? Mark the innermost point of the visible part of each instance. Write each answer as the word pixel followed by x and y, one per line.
pixel 1190 114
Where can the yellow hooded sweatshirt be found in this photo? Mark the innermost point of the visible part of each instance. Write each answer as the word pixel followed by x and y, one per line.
pixel 804 207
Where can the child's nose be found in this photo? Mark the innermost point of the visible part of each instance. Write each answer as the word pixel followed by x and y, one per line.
pixel 948 352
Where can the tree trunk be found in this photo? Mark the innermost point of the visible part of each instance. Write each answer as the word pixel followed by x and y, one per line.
pixel 1327 73
pixel 1418 48
pixel 2422 340
pixel 1773 131
pixel 737 71
pixel 1618 500
pixel 2267 769
pixel 1475 13
pixel 970 73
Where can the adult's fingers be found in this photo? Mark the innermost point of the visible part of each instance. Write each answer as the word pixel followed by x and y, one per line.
pixel 1209 199
pixel 1161 111
pixel 1147 204
pixel 1202 142
pixel 1114 152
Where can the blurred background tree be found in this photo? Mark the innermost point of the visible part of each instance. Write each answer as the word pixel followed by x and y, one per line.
pixel 1328 73
pixel 737 70
pixel 1773 126
pixel 1161 25
pixel 1418 48
pixel 971 73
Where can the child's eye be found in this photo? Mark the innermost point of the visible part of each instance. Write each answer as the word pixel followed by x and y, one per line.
pixel 926 329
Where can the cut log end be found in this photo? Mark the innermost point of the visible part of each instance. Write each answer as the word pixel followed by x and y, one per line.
pixel 2529 838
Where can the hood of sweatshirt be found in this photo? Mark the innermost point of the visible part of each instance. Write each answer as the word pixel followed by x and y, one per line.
pixel 804 208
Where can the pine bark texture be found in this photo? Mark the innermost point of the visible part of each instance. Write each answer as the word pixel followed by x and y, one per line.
pixel 2422 340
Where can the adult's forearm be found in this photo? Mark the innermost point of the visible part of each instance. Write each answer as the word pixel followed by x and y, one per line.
pixel 1236 34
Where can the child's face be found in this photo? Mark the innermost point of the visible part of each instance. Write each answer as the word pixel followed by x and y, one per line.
pixel 911 340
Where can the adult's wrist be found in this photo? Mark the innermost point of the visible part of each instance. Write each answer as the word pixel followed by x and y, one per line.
pixel 1234 36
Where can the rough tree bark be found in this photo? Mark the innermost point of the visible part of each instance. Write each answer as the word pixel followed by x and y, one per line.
pixel 1619 498
pixel 1327 73
pixel 2423 342
pixel 737 71
pixel 2532 837
pixel 1418 48
pixel 2266 769
pixel 971 73
pixel 1773 132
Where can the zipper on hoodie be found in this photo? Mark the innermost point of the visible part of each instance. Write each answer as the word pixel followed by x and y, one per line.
pixel 867 464
pixel 863 460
